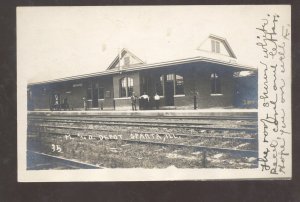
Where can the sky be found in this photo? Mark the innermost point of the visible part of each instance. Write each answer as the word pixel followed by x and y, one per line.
pixel 57 42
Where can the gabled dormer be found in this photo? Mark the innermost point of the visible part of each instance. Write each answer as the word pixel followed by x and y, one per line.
pixel 217 45
pixel 125 59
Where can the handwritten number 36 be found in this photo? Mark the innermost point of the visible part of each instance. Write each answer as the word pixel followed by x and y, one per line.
pixel 56 148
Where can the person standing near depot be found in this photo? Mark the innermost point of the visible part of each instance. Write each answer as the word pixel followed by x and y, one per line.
pixel 156 99
pixel 84 104
pixel 144 101
pixel 133 101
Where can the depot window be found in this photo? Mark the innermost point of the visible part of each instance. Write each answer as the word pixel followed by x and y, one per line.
pixel 127 61
pixel 126 87
pixel 179 88
pixel 177 83
pixel 215 83
pixel 215 46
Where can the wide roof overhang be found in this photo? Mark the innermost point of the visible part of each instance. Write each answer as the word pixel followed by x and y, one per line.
pixel 232 65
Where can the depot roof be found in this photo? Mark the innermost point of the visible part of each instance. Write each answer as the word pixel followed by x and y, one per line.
pixel 233 64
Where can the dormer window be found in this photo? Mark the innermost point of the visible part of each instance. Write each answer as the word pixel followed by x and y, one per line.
pixel 215 46
pixel 126 61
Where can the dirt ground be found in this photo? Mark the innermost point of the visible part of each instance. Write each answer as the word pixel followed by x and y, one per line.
pixel 111 150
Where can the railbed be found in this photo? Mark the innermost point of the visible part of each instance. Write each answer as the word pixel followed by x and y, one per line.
pixel 232 134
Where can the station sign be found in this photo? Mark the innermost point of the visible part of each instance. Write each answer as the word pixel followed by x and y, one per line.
pixel 77 85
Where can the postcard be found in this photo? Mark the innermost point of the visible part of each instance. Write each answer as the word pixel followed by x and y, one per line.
pixel 154 93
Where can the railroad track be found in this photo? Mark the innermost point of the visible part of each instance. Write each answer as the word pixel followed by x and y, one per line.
pixel 44 127
pixel 169 117
pixel 195 117
pixel 93 121
pixel 235 151
pixel 38 160
pixel 208 135
pixel 187 125
pixel 105 120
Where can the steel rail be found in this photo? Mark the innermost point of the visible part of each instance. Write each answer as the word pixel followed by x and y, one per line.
pixel 61 160
pixel 254 118
pixel 76 120
pixel 194 126
pixel 201 148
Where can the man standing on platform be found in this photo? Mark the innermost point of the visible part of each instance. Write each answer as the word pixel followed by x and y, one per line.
pixel 84 104
pixel 156 99
pixel 133 101
pixel 145 101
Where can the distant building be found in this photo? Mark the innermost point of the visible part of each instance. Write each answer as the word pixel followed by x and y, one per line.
pixel 209 78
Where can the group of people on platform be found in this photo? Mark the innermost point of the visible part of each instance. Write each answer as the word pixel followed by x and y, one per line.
pixel 56 103
pixel 144 101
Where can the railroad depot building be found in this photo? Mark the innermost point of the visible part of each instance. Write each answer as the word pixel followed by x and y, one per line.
pixel 210 77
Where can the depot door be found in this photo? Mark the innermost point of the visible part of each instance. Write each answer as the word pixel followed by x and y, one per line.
pixel 169 89
pixel 92 94
pixel 95 96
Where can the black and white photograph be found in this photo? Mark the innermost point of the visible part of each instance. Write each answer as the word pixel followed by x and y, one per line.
pixel 134 93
